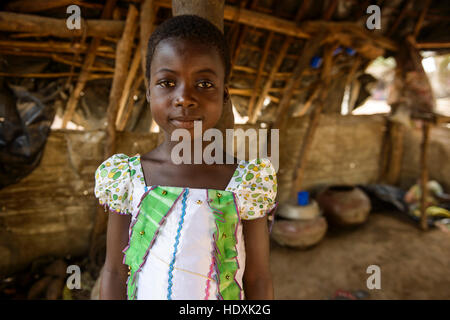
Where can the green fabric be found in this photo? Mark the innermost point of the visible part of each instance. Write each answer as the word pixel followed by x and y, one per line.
pixel 226 218
pixel 154 207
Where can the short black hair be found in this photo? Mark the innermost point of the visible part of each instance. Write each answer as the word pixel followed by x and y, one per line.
pixel 189 27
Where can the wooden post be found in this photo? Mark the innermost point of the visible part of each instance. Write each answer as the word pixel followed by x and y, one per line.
pixel 314 122
pixel 147 24
pixel 424 173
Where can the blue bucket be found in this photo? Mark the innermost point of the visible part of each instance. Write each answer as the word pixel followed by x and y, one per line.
pixel 303 198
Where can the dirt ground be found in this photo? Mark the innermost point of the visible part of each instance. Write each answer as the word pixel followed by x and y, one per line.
pixel 414 264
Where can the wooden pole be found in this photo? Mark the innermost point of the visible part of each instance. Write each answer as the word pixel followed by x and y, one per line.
pixel 424 173
pixel 130 104
pixel 123 57
pixel 314 122
pixel 146 24
pixel 131 75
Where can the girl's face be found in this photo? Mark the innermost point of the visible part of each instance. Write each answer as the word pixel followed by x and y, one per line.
pixel 186 84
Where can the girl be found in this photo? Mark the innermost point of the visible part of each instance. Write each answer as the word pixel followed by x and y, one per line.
pixel 187 231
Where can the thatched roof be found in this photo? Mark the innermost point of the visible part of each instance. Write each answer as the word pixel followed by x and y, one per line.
pixel 279 49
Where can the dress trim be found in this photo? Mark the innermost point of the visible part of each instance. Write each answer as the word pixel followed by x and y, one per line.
pixel 223 205
pixel 175 246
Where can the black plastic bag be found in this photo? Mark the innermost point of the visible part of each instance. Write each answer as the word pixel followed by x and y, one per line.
pixel 24 127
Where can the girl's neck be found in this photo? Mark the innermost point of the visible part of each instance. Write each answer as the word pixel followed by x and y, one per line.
pixel 166 147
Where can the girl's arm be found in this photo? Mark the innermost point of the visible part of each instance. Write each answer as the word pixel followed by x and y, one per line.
pixel 257 277
pixel 115 273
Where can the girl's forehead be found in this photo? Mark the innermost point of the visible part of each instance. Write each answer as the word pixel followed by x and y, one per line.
pixel 175 51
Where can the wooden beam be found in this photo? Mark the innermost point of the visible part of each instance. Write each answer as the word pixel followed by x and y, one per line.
pixel 123 57
pixel 255 19
pixel 432 45
pixel 406 7
pixel 304 7
pixel 49 46
pixel 43 5
pixel 424 173
pixel 314 122
pixel 130 103
pixel 18 22
pixel 147 24
pixel 131 75
pixel 421 19
pixel 308 52
pixel 88 62
pixel 93 76
pixel 262 63
pixel 304 31
pixel 253 117
pixel 330 10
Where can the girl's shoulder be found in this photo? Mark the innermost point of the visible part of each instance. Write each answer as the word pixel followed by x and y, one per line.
pixel 113 182
pixel 255 184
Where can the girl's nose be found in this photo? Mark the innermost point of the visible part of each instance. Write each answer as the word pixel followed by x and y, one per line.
pixel 185 98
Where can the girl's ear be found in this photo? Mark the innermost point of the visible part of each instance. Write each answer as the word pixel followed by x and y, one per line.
pixel 226 95
pixel 147 94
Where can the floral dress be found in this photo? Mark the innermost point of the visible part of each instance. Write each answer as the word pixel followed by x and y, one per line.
pixel 185 243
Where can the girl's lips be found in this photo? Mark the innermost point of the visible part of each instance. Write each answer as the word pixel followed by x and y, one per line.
pixel 184 123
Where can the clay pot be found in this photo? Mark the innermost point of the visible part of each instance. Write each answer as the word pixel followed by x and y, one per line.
pixel 296 212
pixel 344 205
pixel 299 234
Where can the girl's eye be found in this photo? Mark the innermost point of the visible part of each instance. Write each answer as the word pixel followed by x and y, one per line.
pixel 166 83
pixel 205 84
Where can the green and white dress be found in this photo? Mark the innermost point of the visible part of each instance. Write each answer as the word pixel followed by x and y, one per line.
pixel 185 243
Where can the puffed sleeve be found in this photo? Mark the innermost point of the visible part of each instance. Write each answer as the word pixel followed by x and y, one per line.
pixel 257 189
pixel 113 184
